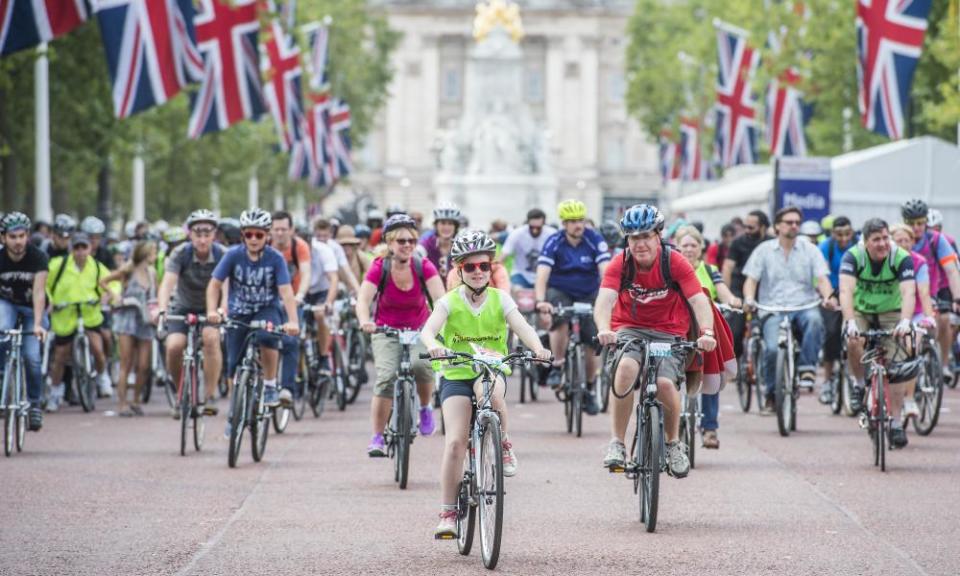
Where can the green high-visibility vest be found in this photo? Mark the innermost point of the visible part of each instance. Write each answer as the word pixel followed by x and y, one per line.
pixel 706 280
pixel 880 292
pixel 486 327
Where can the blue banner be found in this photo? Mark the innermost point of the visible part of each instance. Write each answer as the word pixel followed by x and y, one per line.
pixel 805 183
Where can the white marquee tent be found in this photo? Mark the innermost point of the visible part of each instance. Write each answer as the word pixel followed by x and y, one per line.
pixel 866 183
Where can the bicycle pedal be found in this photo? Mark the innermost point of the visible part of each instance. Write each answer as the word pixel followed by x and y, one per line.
pixel 444 536
pixel 616 469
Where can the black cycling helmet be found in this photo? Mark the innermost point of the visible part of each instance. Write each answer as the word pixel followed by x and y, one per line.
pixel 64 224
pixel 610 231
pixel 913 209
pixel 398 221
pixel 899 372
pixel 231 230
pixel 362 231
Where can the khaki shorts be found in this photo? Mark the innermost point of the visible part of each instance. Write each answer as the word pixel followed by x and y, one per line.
pixel 884 321
pixel 669 368
pixel 386 359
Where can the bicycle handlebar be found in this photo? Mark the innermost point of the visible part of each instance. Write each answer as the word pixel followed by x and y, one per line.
pixel 728 308
pixel 782 309
pixel 453 355
pixel 578 309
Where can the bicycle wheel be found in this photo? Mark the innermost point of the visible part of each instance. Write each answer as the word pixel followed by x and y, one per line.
pixel 606 378
pixel 689 422
pixel 744 385
pixel 490 492
pixel 524 379
pixel 9 417
pixel 651 458
pixel 300 400
pixel 281 417
pixel 568 388
pixel 259 424
pixel 186 403
pixel 579 394
pixel 403 436
pixel 238 415
pixel 783 394
pixel 883 425
pixel 86 385
pixel 338 372
pixel 356 357
pixel 23 407
pixel 759 391
pixel 320 389
pixel 466 515
pixel 929 392
pixel 147 391
pixel 837 385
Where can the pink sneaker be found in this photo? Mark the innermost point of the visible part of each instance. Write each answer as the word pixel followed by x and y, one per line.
pixel 509 459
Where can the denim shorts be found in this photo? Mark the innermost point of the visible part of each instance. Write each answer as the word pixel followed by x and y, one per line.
pixel 237 335
pixel 451 388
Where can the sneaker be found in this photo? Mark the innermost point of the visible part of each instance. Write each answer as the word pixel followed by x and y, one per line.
pixel 271 397
pixel 856 399
pixel 210 407
pixel 898 437
pixel 710 440
pixel 807 380
pixel 104 385
pixel 616 455
pixel 770 404
pixel 36 419
pixel 910 409
pixel 509 459
pixel 447 528
pixel 590 405
pixel 286 398
pixel 826 393
pixel 377 448
pixel 55 398
pixel 324 362
pixel 175 412
pixel 554 378
pixel 427 425
pixel 678 463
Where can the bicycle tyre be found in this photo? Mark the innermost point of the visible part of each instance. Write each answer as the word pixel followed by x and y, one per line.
pixel 238 408
pixel 259 425
pixel 744 385
pixel 321 389
pixel 490 487
pixel 338 374
pixel 837 384
pixel 186 402
pixel 86 386
pixel 929 403
pixel 782 397
pixel 579 390
pixel 23 407
pixel 882 427
pixel 651 458
pixel 466 518
pixel 758 377
pixel 9 418
pixel 691 426
pixel 147 391
pixel 606 378
pixel 403 437
pixel 567 387
pixel 281 418
pixel 524 379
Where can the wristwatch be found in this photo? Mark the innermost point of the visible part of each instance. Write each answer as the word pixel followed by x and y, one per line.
pixel 707 332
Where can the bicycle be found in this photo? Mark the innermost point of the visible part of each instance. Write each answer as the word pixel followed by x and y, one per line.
pixel 355 344
pixel 690 417
pixel 344 389
pixel 648 449
pixel 530 374
pixel 574 389
pixel 750 368
pixel 402 427
pixel 876 415
pixel 482 483
pixel 786 387
pixel 83 365
pixel 16 406
pixel 247 408
pixel 314 385
pixel 192 384
pixel 929 390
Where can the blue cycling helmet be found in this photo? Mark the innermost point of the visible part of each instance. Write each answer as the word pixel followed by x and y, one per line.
pixel 641 218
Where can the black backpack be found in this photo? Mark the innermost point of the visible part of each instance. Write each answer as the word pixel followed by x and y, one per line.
pixel 418 269
pixel 630 270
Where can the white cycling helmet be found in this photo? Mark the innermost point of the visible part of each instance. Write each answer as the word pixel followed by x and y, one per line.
pixel 201 215
pixel 934 218
pixel 446 211
pixel 470 242
pixel 92 225
pixel 160 226
pixel 255 218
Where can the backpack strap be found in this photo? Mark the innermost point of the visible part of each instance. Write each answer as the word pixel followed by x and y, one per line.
pixel 58 275
pixel 418 270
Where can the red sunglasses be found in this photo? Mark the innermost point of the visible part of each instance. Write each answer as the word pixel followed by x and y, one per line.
pixel 470 267
pixel 250 235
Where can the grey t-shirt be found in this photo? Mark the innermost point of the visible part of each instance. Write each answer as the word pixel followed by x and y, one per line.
pixel 194 275
pixel 526 250
pixel 790 280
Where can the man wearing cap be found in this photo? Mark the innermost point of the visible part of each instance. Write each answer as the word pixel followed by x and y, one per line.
pixel 74 279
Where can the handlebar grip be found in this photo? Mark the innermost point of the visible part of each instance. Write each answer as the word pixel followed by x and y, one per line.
pixel 425 356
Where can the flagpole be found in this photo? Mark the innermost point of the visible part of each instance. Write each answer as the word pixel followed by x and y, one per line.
pixel 42 207
pixel 253 190
pixel 215 192
pixel 139 208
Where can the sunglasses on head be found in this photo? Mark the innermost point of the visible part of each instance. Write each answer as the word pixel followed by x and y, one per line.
pixel 254 235
pixel 405 241
pixel 470 267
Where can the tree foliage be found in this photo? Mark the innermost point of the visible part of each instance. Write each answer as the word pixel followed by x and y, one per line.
pixel 92 152
pixel 820 41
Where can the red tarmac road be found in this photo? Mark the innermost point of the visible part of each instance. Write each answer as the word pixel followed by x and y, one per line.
pixel 94 494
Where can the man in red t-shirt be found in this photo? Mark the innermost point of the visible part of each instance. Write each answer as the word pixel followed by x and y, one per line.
pixel 296 253
pixel 644 306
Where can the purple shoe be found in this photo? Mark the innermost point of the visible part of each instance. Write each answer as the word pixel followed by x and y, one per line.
pixel 377 448
pixel 426 421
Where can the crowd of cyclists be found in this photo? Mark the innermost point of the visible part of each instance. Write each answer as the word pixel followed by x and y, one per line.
pixel 469 291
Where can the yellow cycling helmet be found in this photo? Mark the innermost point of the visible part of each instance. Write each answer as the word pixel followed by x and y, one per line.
pixel 572 210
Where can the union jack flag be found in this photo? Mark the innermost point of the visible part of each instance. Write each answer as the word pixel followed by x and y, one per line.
pixel 318 39
pixel 889 42
pixel 692 165
pixel 230 92
pixel 280 62
pixel 669 156
pixel 340 134
pixel 151 51
pixel 318 121
pixel 26 23
pixel 301 165
pixel 736 133
pixel 786 114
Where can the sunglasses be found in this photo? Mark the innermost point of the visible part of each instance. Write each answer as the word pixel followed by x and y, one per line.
pixel 471 267
pixel 406 241
pixel 790 222
pixel 203 231
pixel 916 222
pixel 254 235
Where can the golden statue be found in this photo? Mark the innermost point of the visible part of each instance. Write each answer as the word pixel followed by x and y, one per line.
pixel 493 13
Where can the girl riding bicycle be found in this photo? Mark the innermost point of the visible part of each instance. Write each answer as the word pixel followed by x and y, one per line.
pixel 471 316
